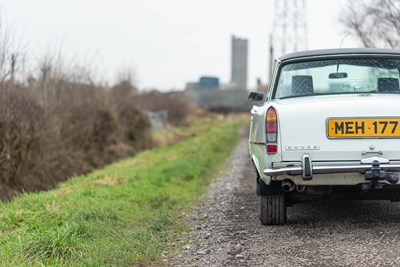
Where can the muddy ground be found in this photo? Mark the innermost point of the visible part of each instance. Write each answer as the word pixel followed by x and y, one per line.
pixel 225 230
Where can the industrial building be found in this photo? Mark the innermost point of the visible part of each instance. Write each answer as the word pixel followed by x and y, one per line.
pixel 208 83
pixel 239 62
pixel 209 93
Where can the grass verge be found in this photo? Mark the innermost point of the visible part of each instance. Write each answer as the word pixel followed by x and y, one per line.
pixel 121 215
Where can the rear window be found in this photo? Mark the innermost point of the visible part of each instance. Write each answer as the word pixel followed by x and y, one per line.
pixel 339 76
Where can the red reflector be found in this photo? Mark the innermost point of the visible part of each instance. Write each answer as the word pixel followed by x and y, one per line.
pixel 272 149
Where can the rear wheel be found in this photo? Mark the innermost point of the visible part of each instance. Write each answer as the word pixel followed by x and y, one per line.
pixel 272 210
pixel 272 206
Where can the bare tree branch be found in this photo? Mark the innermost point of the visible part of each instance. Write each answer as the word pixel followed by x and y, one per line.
pixel 375 23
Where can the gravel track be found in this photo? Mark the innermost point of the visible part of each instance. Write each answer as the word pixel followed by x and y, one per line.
pixel 225 230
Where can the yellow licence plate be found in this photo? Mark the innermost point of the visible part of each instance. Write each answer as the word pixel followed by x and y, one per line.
pixel 363 127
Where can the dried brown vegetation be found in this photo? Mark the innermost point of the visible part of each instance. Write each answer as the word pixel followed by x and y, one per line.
pixel 57 126
pixel 58 120
pixel 175 103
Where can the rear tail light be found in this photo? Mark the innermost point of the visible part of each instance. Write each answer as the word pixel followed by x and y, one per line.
pixel 271 125
pixel 272 149
pixel 271 129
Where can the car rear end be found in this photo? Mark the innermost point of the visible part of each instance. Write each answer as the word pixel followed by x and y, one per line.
pixel 331 129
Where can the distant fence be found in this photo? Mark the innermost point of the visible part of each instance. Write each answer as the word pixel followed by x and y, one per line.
pixel 158 119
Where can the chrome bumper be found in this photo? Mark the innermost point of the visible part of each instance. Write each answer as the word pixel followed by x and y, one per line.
pixel 308 169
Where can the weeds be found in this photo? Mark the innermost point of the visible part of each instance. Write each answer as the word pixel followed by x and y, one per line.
pixel 124 221
pixel 61 244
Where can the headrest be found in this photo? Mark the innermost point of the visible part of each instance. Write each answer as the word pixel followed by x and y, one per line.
pixel 388 85
pixel 302 85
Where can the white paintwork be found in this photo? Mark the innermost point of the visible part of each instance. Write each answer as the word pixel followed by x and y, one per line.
pixel 302 123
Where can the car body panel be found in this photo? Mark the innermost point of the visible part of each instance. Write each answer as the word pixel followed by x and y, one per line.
pixel 307 130
pixel 302 125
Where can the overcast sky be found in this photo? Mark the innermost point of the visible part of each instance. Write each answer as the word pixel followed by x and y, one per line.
pixel 166 42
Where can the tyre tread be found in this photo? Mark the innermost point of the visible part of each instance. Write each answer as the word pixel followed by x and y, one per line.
pixel 272 209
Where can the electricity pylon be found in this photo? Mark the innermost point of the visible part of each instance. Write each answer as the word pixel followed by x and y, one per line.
pixel 289 28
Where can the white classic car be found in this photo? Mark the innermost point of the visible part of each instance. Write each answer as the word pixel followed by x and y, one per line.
pixel 328 127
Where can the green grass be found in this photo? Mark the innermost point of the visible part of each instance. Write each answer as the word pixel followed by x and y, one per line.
pixel 122 215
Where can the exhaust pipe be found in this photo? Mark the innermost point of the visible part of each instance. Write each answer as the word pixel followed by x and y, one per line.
pixel 300 188
pixel 288 186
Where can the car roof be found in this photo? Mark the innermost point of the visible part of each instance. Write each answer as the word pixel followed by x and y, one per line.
pixel 338 51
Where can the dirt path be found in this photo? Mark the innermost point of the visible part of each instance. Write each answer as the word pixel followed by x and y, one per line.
pixel 225 230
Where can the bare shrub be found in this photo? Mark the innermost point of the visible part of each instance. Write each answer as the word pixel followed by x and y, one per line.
pixel 88 127
pixel 123 92
pixel 132 122
pixel 179 107
pixel 132 119
pixel 62 125
pixel 61 121
pixel 22 127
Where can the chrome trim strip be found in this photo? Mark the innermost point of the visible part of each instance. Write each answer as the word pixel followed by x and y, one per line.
pixel 257 143
pixel 329 169
pixel 372 152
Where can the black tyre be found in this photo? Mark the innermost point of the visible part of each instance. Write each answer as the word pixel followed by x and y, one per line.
pixel 272 209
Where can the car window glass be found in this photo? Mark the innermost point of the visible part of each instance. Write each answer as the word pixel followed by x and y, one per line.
pixel 340 76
